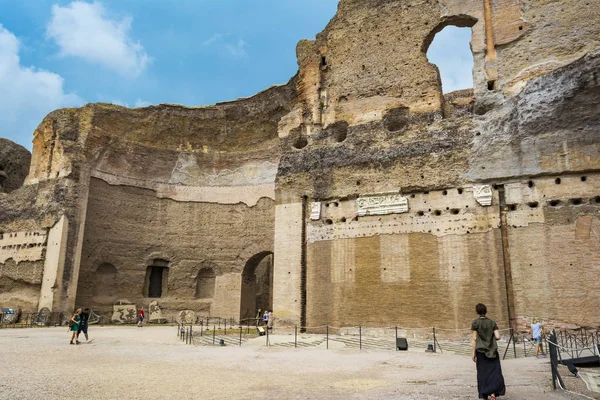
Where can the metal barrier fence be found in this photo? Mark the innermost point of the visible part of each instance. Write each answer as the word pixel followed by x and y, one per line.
pixel 572 349
pixel 456 341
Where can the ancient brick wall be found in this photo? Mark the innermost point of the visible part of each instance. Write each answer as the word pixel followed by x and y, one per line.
pixel 372 119
pixel 129 227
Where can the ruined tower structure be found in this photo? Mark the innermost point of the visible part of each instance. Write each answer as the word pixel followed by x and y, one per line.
pixel 357 193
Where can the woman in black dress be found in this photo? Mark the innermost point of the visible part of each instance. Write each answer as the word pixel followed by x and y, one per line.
pixel 490 381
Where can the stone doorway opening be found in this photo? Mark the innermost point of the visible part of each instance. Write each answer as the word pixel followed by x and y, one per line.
pixel 257 285
pixel 156 279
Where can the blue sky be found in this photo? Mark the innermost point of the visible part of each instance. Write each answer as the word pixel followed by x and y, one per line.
pixel 56 53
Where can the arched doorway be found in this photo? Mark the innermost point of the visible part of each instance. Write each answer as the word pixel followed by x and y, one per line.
pixel 257 284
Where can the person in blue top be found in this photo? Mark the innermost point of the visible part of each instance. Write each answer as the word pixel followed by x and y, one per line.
pixel 536 334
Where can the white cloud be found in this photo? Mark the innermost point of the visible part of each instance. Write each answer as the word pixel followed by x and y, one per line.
pixel 237 50
pixel 234 49
pixel 84 30
pixel 27 94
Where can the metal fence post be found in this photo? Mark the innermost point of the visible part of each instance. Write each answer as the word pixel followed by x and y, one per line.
pixel 267 336
pixel 240 336
pixel 396 342
pixel 434 341
pixel 214 330
pixel 360 337
pixel 225 327
pixel 295 336
pixel 327 336
pixel 512 333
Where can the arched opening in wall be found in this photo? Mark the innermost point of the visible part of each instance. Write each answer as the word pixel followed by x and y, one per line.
pixel 257 285
pixel 448 47
pixel 105 282
pixel 205 283
pixel 155 284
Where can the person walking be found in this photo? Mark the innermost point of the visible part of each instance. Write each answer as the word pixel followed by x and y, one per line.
pixel 490 382
pixel 140 317
pixel 258 318
pixel 536 333
pixel 74 326
pixel 83 324
pixel 266 318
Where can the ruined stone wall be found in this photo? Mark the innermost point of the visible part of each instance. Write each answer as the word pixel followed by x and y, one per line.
pixel 489 195
pixel 37 252
pixel 129 227
pixel 372 119
pixel 201 157
pixel 191 186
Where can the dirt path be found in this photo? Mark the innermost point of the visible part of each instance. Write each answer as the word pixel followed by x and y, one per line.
pixel 150 363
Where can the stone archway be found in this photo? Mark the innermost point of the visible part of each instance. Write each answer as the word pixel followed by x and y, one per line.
pixel 257 284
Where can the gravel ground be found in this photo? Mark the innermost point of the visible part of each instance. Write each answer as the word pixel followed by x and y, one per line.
pixel 150 363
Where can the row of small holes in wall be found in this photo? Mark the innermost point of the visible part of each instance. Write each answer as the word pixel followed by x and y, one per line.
pixel 558 181
pixel 556 203
pixel 453 211
pixel 445 193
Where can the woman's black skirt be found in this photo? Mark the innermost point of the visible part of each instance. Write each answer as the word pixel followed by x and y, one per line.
pixel 489 376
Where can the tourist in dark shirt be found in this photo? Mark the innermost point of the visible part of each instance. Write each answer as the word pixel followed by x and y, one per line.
pixel 490 381
pixel 83 324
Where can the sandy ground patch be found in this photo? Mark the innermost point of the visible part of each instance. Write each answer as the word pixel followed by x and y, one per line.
pixel 150 363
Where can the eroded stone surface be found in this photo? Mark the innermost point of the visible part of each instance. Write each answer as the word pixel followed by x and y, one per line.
pixel 14 165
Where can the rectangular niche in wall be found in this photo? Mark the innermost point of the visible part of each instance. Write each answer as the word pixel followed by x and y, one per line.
pixel 156 279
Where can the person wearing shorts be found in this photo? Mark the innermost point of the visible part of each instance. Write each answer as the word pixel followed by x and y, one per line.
pixel 74 326
pixel 83 324
pixel 140 317
pixel 536 334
